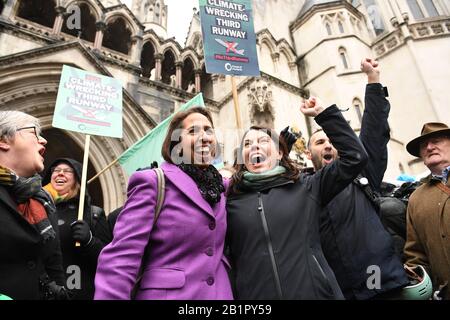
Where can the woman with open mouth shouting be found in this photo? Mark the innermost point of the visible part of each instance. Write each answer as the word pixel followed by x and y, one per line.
pixel 273 212
pixel 30 253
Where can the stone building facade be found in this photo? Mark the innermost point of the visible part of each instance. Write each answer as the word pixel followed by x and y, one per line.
pixel 310 47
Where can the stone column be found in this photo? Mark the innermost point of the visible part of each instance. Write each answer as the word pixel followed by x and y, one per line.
pixel 8 8
pixel 275 59
pixel 136 48
pixel 179 73
pixel 101 27
pixel 59 20
pixel 158 66
pixel 350 27
pixel 198 86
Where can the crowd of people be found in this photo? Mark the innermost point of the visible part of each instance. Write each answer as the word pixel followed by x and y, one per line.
pixel 264 229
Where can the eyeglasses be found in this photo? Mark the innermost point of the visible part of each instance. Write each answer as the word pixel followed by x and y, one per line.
pixel 61 170
pixel 31 127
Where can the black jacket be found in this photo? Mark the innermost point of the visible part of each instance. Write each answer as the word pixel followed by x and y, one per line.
pixel 273 235
pixel 353 238
pixel 23 257
pixel 112 218
pixel 83 257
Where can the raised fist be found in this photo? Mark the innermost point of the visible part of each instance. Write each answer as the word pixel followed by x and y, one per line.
pixel 372 69
pixel 311 107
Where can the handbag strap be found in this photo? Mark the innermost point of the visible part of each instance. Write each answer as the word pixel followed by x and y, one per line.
pixel 159 202
pixel 161 193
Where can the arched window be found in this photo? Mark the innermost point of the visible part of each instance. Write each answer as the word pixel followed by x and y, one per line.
pixel 148 60
pixel 168 67
pixel 40 11
pixel 195 41
pixel 117 36
pixel 341 27
pixel 157 12
pixel 359 109
pixel 200 46
pixel 188 75
pixel 328 27
pixel 343 57
pixel 88 28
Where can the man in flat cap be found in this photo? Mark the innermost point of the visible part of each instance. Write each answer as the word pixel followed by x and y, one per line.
pixel 428 215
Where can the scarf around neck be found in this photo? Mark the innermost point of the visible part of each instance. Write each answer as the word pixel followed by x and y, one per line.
pixel 34 203
pixel 259 181
pixel 57 198
pixel 209 181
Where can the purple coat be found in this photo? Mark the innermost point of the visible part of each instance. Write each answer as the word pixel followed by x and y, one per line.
pixel 186 258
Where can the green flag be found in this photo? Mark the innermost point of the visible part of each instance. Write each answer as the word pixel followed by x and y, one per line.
pixel 148 149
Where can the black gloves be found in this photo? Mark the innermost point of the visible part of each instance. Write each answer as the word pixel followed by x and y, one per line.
pixel 153 165
pixel 288 137
pixel 81 232
pixel 52 291
pixel 56 292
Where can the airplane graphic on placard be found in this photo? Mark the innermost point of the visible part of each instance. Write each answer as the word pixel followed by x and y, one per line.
pixel 231 46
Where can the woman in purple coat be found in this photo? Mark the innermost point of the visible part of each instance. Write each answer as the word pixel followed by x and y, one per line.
pixel 185 258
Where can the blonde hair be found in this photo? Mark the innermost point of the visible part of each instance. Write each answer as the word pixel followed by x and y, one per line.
pixel 74 191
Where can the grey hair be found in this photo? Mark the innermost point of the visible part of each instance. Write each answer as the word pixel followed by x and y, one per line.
pixel 12 120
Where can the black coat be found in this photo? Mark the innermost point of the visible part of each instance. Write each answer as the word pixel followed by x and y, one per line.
pixel 353 237
pixel 273 235
pixel 23 256
pixel 112 218
pixel 83 257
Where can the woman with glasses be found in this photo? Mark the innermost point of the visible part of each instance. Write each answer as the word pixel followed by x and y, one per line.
pixel 62 181
pixel 30 254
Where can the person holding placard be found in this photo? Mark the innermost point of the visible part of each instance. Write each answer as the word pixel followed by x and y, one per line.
pixel 62 181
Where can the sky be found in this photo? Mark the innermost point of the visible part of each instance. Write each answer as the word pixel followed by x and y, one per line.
pixel 180 15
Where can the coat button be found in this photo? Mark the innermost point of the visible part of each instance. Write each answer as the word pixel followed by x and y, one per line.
pixel 209 251
pixel 212 225
pixel 210 281
pixel 364 181
pixel 31 265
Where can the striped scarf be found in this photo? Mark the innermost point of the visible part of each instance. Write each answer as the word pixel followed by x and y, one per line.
pixel 55 195
pixel 34 204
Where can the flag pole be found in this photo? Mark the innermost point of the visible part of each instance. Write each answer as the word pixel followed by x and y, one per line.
pixel 103 170
pixel 83 180
pixel 237 111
